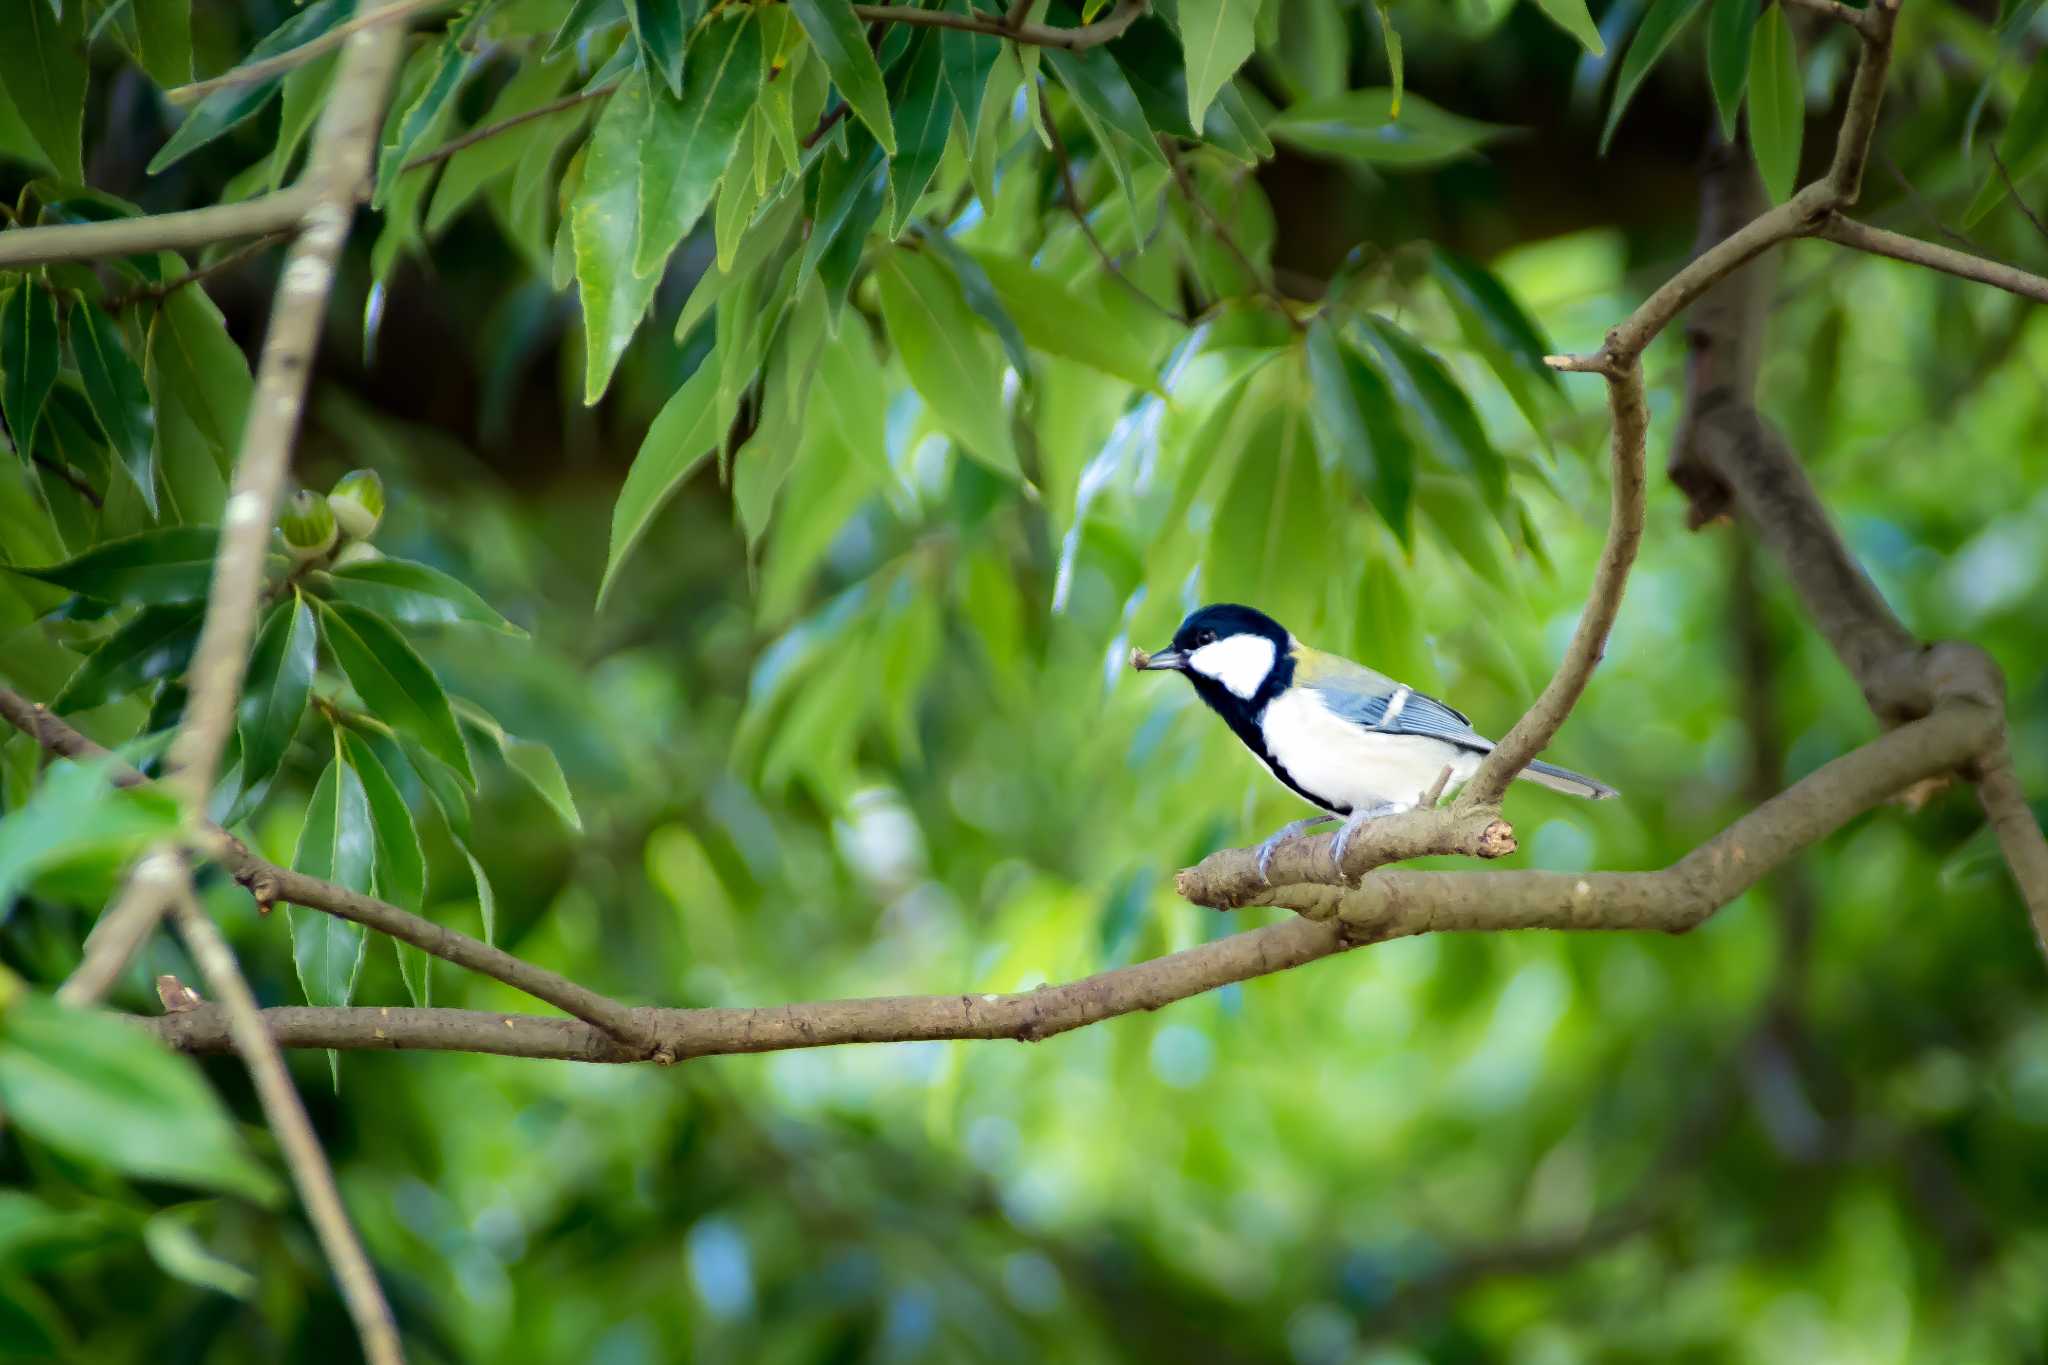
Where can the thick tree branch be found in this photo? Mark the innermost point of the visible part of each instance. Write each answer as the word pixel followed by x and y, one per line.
pixel 295 1136
pixel 1389 904
pixel 1850 233
pixel 188 230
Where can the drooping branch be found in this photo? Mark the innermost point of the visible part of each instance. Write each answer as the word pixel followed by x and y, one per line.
pixel 1863 237
pixel 1389 904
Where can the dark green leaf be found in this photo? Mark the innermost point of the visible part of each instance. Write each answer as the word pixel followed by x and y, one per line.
pixel 1427 391
pixel 604 230
pixel 171 565
pixel 1728 39
pixel 156 644
pixel 336 844
pixel 199 368
pixel 274 696
pixel 968 59
pixel 401 869
pixel 473 168
pixel 1355 418
pixel 943 351
pixel 226 108
pixel 1665 21
pixel 2023 146
pixel 163 39
pixel 115 388
pixel 1777 103
pixel 394 682
pixel 684 432
pixel 1216 38
pixel 662 27
pixel 584 16
pixel 410 594
pixel 28 359
pixel 690 138
pixel 98 1088
pixel 923 110
pixel 42 72
pixel 451 64
pixel 1359 124
pixel 1573 18
pixel 841 40
pixel 850 191
pixel 1495 326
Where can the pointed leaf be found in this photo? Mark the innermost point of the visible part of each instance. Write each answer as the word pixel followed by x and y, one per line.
pixel 156 644
pixel 1777 103
pixel 336 844
pixel 153 567
pixel 163 40
pixel 839 37
pixel 226 108
pixel 1061 322
pixel 200 368
pixel 409 593
pixel 1728 39
pixel 115 388
pixel 1356 420
pixel 537 763
pixel 604 229
pixel 486 898
pixel 2023 146
pixel 1573 18
pixel 401 869
pixel 1427 391
pixel 981 295
pixel 451 63
pixel 923 105
pixel 28 359
pixel 274 697
pixel 691 136
pixel 1216 37
pixel 394 682
pixel 1359 124
pixel 1495 326
pixel 968 58
pixel 662 27
pixel 42 72
pixel 1665 21
pixel 942 349
pixel 684 432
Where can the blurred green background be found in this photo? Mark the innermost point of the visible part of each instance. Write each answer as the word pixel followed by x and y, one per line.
pixel 908 760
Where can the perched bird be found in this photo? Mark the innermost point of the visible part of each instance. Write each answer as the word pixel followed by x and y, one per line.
pixel 1335 733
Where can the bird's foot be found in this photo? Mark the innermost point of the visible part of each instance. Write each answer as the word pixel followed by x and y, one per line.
pixel 1359 819
pixel 1293 829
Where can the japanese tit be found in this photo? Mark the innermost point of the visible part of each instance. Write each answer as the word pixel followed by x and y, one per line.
pixel 1335 733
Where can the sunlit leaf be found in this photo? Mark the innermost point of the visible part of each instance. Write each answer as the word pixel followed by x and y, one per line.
pixel 1359 124
pixel 74 812
pixel 1777 103
pixel 1355 418
pixel 841 40
pixel 537 763
pixel 1573 18
pixel 393 681
pixel 684 432
pixel 1660 27
pixel 604 230
pixel 1432 397
pixel 690 137
pixel 949 363
pixel 410 594
pixel 228 107
pixel 1497 327
pixel 174 1244
pixel 923 107
pixel 1061 322
pixel 1216 36
pixel 1274 504
pixel 661 27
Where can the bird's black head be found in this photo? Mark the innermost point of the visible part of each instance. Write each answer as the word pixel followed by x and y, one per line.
pixel 1237 657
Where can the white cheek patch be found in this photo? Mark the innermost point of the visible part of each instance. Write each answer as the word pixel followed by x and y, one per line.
pixel 1240 663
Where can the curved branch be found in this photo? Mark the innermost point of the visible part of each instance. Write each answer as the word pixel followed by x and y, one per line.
pixel 293 58
pixel 1863 237
pixel 1077 39
pixel 1389 904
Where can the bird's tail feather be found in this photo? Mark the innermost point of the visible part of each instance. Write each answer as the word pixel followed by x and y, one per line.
pixel 1565 780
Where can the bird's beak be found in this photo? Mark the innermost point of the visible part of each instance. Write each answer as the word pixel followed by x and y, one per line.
pixel 1170 660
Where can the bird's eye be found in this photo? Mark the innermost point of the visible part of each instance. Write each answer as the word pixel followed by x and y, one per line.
pixel 1205 637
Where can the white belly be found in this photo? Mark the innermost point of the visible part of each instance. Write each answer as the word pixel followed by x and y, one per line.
pixel 1350 767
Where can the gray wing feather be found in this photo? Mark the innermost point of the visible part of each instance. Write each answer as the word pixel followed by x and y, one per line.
pixel 1365 699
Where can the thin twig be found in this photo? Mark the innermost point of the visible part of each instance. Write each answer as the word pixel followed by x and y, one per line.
pixel 1072 194
pixel 1260 279
pixel 296 1139
pixel 79 483
pixel 1858 19
pixel 392 11
pixel 2013 193
pixel 1863 237
pixel 827 121
pixel 165 288
pixel 506 125
pixel 1077 39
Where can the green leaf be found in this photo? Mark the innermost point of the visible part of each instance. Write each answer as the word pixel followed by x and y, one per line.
pixel 1390 37
pixel 336 844
pixel 690 138
pixel 410 594
pixel 839 37
pixel 968 58
pixel 980 292
pixel 173 1243
pixel 1275 503
pixel 226 108
pixel 1573 18
pixel 156 644
pixel 1495 326
pixel 163 39
pixel 533 85
pixel 1216 38
pixel 923 105
pixel 604 229
pixel 1462 523
pixel 1665 21
pixel 77 812
pixel 486 898
pixel 1358 124
pixel 115 388
pixel 684 432
pixel 662 28
pixel 2023 146
pixel 401 869
pixel 1777 103
pixel 451 64
pixel 1428 392
pixel 394 682
pixel 1061 322
pixel 199 366
pixel 850 191
pixel 942 349
pixel 279 682
pixel 42 71
pixel 1355 418
pixel 100 1089
pixel 154 567
pixel 1728 39
pixel 28 359
pixel 537 763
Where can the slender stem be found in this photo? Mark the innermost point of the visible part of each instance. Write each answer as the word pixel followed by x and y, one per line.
pixel 1072 194
pixel 290 60
pixel 166 288
pixel 1077 39
pixel 1863 237
pixel 286 1114
pixel 506 125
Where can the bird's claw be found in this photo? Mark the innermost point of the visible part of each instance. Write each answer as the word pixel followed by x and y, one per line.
pixel 1293 829
pixel 1359 819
